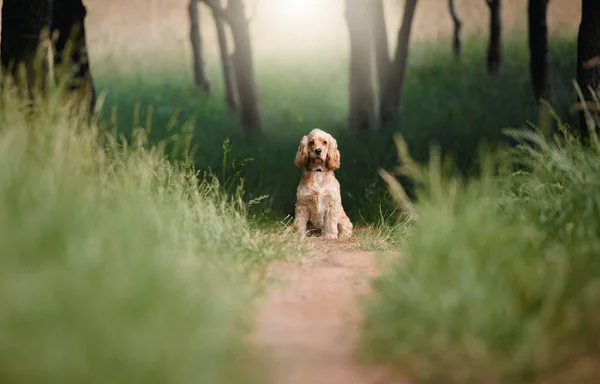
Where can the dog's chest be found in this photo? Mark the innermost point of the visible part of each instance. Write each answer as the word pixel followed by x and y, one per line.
pixel 318 185
pixel 321 195
pixel 315 190
pixel 314 184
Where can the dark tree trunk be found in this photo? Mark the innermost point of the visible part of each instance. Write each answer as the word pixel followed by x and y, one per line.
pixel 382 49
pixel 494 55
pixel 456 41
pixel 392 96
pixel 362 103
pixel 538 48
pixel 231 96
pixel 23 24
pixel 588 54
pixel 200 77
pixel 244 67
pixel 71 58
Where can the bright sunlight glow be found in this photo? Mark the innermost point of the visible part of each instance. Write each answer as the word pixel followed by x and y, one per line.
pixel 300 7
pixel 298 26
pixel 296 10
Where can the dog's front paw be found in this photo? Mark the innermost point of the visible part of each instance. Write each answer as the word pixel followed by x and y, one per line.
pixel 345 235
pixel 330 236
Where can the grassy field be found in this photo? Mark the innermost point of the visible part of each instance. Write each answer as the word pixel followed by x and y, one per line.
pixel 454 104
pixel 122 266
pixel 500 279
pixel 116 265
pixel 140 56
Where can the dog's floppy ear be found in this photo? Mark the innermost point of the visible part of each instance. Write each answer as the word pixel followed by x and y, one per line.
pixel 302 153
pixel 333 155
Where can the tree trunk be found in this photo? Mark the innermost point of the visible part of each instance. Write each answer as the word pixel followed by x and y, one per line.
pixel 538 48
pixel 362 102
pixel 392 97
pixel 382 50
pixel 200 77
pixel 588 54
pixel 71 55
pixel 231 96
pixel 494 56
pixel 244 67
pixel 456 41
pixel 23 24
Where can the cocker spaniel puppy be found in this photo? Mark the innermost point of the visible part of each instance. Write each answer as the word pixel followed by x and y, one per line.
pixel 318 198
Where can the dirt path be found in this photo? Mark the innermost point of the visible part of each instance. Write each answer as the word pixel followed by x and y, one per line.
pixel 307 326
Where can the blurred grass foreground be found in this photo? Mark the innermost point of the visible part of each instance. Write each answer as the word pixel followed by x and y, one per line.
pixel 116 266
pixel 500 276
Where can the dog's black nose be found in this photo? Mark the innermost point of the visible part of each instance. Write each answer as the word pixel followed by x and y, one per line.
pixel 318 151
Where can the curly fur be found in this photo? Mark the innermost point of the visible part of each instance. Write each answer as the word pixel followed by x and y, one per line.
pixel 318 198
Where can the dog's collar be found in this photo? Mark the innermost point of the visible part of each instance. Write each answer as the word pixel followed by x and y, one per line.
pixel 317 170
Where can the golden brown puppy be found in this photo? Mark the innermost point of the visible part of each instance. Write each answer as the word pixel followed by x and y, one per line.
pixel 318 199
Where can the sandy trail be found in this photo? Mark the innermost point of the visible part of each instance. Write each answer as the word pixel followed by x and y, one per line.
pixel 308 323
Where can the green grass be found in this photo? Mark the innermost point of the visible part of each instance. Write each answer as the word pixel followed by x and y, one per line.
pixel 452 103
pixel 500 276
pixel 117 266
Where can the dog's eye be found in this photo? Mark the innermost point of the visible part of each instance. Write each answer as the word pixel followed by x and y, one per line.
pixel 324 143
pixel 312 143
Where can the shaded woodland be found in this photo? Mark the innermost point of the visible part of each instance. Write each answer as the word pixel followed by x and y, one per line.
pixel 160 183
pixel 24 24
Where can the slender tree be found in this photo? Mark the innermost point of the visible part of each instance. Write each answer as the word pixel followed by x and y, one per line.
pixel 494 55
pixel 243 64
pixel 382 48
pixel 588 54
pixel 392 92
pixel 362 107
pixel 23 25
pixel 538 48
pixel 231 95
pixel 456 41
pixel 71 58
pixel 200 77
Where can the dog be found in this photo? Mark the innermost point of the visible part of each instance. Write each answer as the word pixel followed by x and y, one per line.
pixel 318 198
